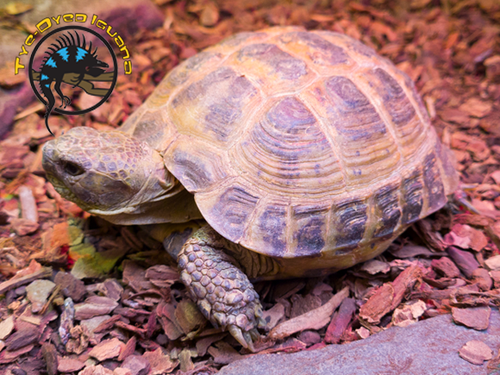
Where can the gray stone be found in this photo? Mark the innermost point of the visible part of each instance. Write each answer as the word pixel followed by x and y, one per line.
pixel 429 347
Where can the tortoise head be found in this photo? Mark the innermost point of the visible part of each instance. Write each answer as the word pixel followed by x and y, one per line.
pixel 109 174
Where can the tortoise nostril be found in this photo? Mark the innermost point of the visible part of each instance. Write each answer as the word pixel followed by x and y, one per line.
pixel 72 169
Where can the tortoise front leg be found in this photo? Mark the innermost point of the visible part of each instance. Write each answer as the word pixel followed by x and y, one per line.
pixel 223 293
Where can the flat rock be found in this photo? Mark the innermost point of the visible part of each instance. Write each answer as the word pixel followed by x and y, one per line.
pixel 428 347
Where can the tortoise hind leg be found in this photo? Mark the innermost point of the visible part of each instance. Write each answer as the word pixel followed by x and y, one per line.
pixel 223 293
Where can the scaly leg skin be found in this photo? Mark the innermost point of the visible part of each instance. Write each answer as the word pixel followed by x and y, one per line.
pixel 221 290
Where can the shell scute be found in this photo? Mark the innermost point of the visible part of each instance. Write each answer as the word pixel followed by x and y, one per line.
pixel 217 102
pixel 433 184
pixel 180 75
pixel 310 229
pixel 268 229
pixel 413 197
pixel 364 143
pixel 232 209
pixel 274 70
pixel 288 150
pixel 408 127
pixel 387 205
pixel 323 54
pixel 198 167
pixel 350 219
pixel 151 128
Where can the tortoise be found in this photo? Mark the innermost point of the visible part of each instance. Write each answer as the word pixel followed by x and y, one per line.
pixel 304 151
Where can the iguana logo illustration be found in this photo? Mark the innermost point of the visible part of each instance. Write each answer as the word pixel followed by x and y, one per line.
pixel 73 60
pixel 71 56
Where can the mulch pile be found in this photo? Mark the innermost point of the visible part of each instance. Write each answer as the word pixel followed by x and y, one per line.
pixel 84 296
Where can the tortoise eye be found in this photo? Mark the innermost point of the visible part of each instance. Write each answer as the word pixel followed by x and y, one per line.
pixel 72 168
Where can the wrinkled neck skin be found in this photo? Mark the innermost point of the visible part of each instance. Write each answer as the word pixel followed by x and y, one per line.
pixel 172 204
pixel 114 176
pixel 177 206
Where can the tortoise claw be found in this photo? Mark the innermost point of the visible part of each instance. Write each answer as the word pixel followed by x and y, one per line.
pixel 244 338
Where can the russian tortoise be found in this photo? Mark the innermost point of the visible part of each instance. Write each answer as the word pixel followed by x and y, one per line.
pixel 305 153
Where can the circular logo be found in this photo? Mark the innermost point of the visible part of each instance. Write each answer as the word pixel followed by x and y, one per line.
pixel 73 61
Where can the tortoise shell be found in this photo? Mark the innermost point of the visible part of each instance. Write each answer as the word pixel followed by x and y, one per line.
pixel 298 143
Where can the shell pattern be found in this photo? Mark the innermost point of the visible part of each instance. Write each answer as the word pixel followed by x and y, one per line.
pixel 298 143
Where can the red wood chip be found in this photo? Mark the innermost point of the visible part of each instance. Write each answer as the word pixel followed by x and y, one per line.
pixel 224 353
pixel 107 349
pixel 160 362
pixel 476 352
pixel 482 278
pixel 446 267
pixel 96 370
pixel 69 365
pixel 23 337
pixel 473 317
pixel 7 356
pixel 49 354
pixel 340 321
pixel 389 295
pixel 129 348
pixel 203 344
pixel 94 306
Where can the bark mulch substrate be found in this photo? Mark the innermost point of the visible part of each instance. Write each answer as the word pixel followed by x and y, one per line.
pixel 83 296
